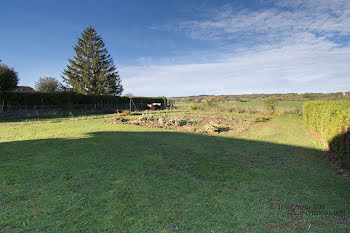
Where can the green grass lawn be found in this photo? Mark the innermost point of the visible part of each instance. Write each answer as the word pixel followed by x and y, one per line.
pixel 87 175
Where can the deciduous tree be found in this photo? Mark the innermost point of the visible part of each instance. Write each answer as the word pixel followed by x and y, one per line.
pixel 48 85
pixel 8 78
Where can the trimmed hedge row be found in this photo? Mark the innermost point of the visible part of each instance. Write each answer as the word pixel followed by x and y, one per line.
pixel 331 120
pixel 70 98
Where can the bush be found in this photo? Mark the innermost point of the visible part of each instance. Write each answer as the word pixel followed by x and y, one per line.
pixel 125 112
pixel 270 103
pixel 194 106
pixel 331 120
pixel 121 119
pixel 215 128
pixel 48 85
pixel 210 102
pixel 8 78
pixel 261 118
pixel 143 118
pixel 181 122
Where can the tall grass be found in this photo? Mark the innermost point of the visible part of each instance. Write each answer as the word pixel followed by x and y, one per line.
pixel 239 108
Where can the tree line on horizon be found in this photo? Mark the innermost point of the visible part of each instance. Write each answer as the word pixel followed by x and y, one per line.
pixel 262 97
pixel 90 71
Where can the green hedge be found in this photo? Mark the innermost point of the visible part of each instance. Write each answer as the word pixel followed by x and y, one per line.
pixel 70 98
pixel 331 120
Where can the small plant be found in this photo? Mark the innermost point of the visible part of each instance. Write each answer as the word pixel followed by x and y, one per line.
pixel 215 128
pixel 125 112
pixel 261 118
pixel 300 111
pixel 122 119
pixel 145 118
pixel 170 121
pixel 181 122
pixel 194 106
pixel 119 119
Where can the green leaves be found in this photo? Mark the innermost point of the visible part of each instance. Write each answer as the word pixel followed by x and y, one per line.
pixel 48 85
pixel 331 120
pixel 270 103
pixel 92 70
pixel 8 78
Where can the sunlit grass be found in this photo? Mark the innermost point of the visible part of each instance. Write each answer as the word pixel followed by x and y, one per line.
pixel 87 175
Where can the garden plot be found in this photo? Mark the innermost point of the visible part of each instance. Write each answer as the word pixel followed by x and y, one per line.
pixel 190 122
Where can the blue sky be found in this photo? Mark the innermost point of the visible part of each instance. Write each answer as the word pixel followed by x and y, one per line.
pixel 180 48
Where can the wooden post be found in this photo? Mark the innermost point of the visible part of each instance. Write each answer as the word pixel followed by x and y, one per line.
pixel 133 104
pixel 130 104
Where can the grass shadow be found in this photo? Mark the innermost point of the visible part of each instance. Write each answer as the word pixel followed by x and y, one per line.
pixel 165 182
pixel 339 149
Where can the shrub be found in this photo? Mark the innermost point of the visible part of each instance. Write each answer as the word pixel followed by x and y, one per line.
pixel 194 106
pixel 181 122
pixel 197 100
pixel 270 103
pixel 331 120
pixel 261 118
pixel 119 119
pixel 125 112
pixel 217 128
pixel 210 102
pixel 48 85
pixel 143 118
pixel 300 111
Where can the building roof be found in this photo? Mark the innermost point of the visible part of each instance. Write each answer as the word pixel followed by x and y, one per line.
pixel 24 89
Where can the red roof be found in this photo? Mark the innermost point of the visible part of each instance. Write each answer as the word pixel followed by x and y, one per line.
pixel 24 89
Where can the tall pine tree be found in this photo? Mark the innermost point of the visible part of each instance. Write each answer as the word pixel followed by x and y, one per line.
pixel 92 70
